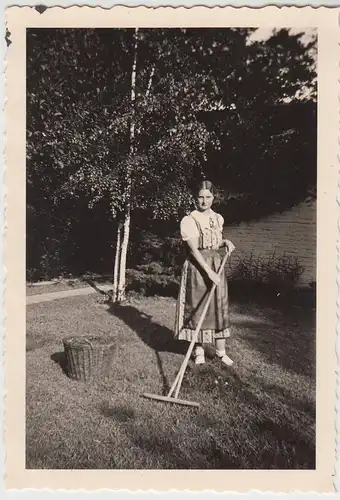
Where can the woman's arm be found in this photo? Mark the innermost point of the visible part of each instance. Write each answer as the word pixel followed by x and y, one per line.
pixel 192 244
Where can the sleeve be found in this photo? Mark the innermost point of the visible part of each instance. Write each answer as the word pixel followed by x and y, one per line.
pixel 188 228
pixel 220 221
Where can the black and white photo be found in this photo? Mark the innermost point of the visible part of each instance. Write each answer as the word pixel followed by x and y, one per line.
pixel 175 255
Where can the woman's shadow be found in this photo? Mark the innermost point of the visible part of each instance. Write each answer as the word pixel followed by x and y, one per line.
pixel 158 337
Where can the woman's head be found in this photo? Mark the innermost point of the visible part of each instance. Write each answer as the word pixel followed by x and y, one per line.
pixel 205 195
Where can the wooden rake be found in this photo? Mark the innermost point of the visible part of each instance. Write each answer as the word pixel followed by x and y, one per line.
pixel 172 396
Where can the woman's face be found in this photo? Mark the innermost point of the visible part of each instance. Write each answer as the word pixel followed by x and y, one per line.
pixel 205 199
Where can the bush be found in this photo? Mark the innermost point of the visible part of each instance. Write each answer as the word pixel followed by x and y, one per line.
pixel 46 262
pixel 150 248
pixel 146 283
pixel 279 273
pixel 154 268
pixel 173 253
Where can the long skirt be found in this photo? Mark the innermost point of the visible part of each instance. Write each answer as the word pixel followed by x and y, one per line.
pixel 193 293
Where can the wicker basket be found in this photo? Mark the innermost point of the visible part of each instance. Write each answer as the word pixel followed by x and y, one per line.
pixel 89 356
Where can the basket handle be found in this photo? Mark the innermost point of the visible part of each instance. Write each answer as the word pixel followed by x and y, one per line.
pixel 84 339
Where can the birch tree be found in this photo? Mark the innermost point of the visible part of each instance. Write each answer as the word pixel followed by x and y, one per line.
pixel 123 231
pixel 166 146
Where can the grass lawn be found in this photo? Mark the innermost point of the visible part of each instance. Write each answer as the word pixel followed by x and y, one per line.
pixel 259 414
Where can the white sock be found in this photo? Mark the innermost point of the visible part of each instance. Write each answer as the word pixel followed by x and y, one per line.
pixel 220 354
pixel 199 355
pixel 199 351
pixel 224 357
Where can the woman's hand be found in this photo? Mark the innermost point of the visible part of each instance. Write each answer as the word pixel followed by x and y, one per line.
pixel 215 278
pixel 230 247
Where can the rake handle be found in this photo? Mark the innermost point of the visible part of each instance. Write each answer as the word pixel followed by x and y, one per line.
pixel 179 378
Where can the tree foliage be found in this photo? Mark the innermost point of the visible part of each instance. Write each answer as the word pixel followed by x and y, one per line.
pixel 260 145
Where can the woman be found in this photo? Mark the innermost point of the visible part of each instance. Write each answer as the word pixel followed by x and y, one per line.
pixel 202 232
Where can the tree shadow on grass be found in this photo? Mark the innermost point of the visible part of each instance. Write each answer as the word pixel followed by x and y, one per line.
pixel 157 337
pixel 94 285
pixel 300 453
pixel 289 448
pixel 292 450
pixel 203 458
pixel 288 346
pixel 60 359
pixel 299 405
pixel 286 337
pixel 119 413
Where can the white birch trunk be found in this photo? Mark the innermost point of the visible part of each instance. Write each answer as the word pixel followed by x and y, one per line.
pixel 152 72
pixel 147 93
pixel 116 264
pixel 123 254
pixel 127 216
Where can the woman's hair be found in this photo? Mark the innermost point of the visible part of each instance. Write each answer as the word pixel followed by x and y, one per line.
pixel 206 185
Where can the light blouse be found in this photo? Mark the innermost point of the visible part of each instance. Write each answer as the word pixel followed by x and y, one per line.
pixel 207 229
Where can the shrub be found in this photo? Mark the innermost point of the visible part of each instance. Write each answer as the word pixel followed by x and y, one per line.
pixel 152 268
pixel 46 263
pixel 283 272
pixel 150 248
pixel 145 248
pixel 152 284
pixel 173 253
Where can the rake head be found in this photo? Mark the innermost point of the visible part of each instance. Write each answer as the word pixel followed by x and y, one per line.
pixel 167 399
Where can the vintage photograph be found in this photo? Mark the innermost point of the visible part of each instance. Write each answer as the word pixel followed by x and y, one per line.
pixel 171 248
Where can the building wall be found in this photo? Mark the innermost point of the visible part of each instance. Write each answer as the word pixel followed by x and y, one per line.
pixel 290 233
